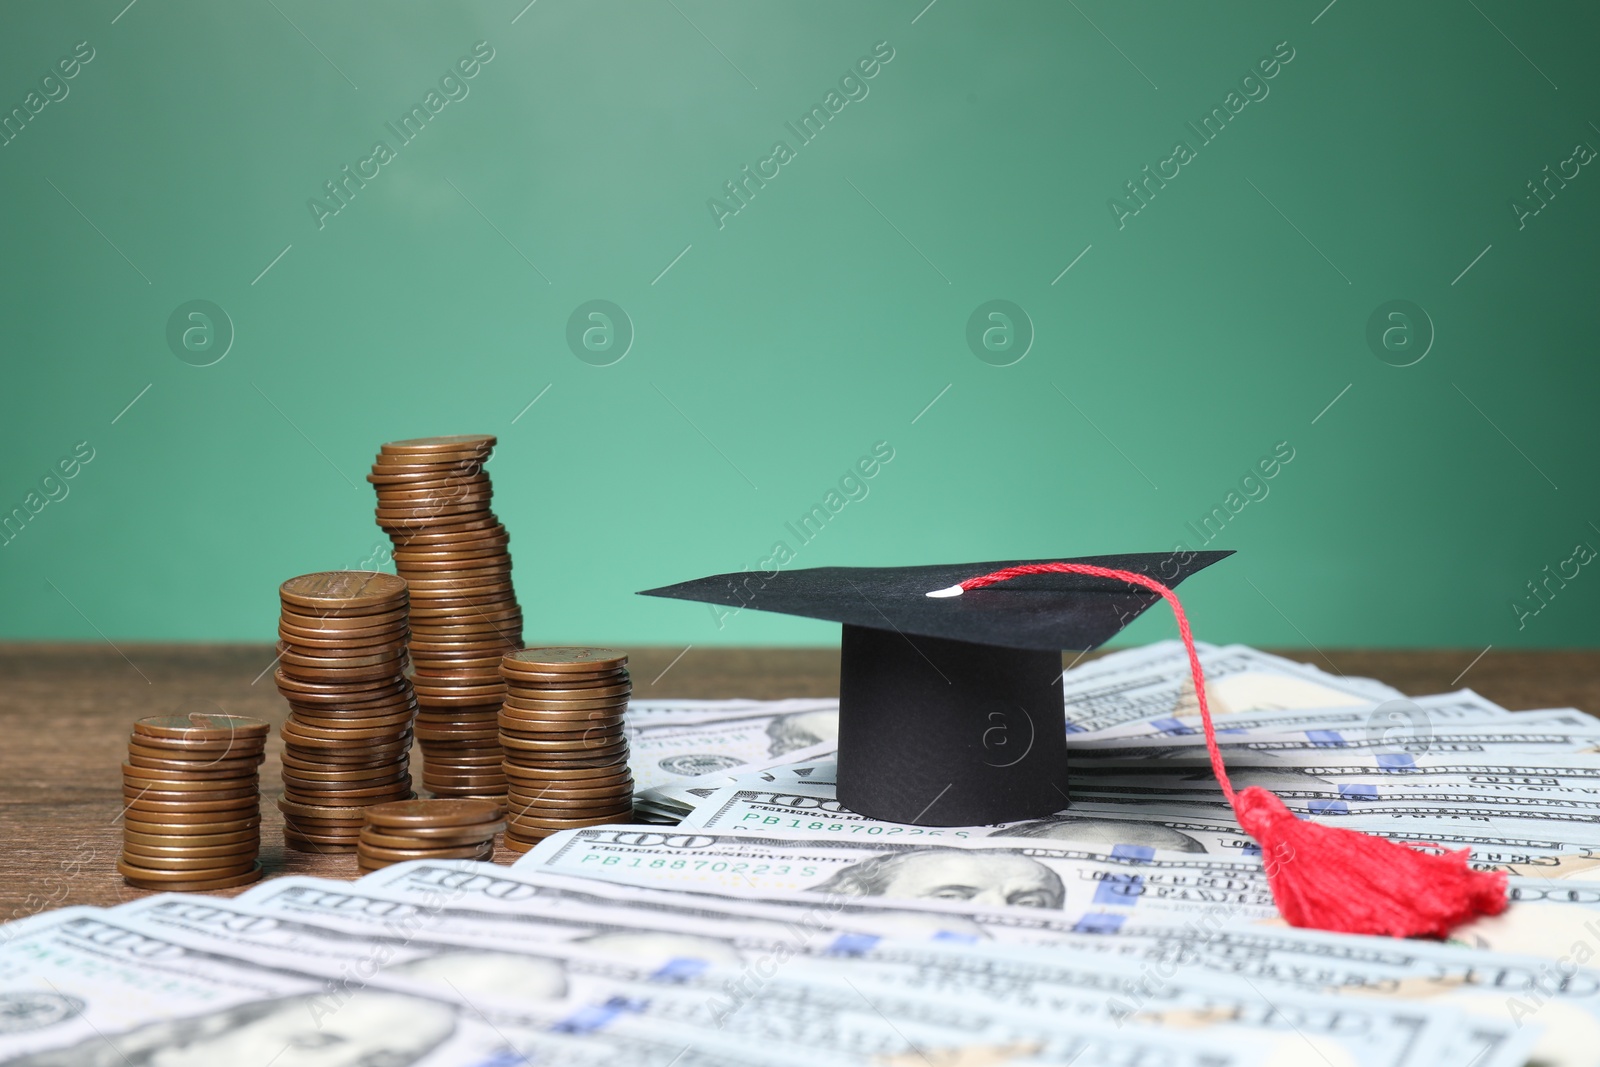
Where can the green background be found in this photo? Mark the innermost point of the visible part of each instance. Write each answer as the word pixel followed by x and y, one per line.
pixel 823 317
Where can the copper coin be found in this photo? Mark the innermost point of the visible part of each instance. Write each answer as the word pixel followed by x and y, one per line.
pixel 574 773
pixel 221 768
pixel 484 548
pixel 584 718
pixel 391 473
pixel 559 808
pixel 165 826
pixel 431 813
pixel 317 787
pixel 610 705
pixel 352 741
pixel 196 726
pixel 474 836
pixel 523 824
pixel 381 727
pixel 377 794
pixel 344 590
pixel 190 866
pixel 522 684
pixel 603 743
pixel 474 649
pixel 517 844
pixel 134 877
pixel 317 847
pixel 429 445
pixel 156 809
pixel 451 534
pixel 436 668
pixel 194 771
pixel 384 656
pixel 167 748
pixel 321 761
pixel 246 848
pixel 322 827
pixel 424 832
pixel 400 855
pixel 554 660
pixel 534 781
pixel 344 774
pixel 392 720
pixel 176 782
pixel 598 692
pixel 186 840
pixel 314 811
pixel 476 603
pixel 322 622
pixel 313 691
pixel 623 791
pixel 465 761
pixel 575 788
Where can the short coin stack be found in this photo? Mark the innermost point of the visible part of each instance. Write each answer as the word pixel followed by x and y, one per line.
pixel 192 802
pixel 461 829
pixel 561 728
pixel 433 501
pixel 347 741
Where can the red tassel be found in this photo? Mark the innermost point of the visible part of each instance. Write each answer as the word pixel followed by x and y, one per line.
pixel 1323 877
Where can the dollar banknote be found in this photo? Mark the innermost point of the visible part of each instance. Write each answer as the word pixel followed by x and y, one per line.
pixel 1293 1024
pixel 807 1011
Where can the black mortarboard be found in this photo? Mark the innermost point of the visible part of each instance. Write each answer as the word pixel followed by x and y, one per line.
pixel 950 709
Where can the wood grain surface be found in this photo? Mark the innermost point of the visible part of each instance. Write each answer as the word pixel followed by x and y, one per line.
pixel 65 711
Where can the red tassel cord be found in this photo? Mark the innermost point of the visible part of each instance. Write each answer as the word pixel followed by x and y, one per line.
pixel 1322 877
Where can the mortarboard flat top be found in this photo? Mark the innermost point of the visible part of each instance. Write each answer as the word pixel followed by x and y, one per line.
pixel 1043 611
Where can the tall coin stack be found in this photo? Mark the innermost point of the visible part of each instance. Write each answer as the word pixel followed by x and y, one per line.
pixel 433 501
pixel 192 796
pixel 561 728
pixel 347 741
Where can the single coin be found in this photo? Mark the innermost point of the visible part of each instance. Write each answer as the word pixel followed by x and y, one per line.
pixel 521 825
pixel 568 809
pixel 316 811
pixel 537 718
pixel 431 834
pixel 311 692
pixel 166 748
pixel 400 855
pixel 468 625
pixel 340 661
pixel 158 808
pixel 134 853
pixel 575 788
pixel 568 772
pixel 314 723
pixel 603 743
pixel 413 474
pixel 448 443
pixel 164 826
pixel 221 867
pixel 207 767
pixel 517 844
pixel 352 742
pixel 317 788
pixel 197 781
pixel 190 840
pixel 199 885
pixel 483 548
pixel 474 649
pixel 431 813
pixel 621 787
pixel 556 660
pixel 522 684
pixel 598 692
pixel 323 827
pixel 192 770
pixel 528 703
pixel 354 625
pixel 346 590
pixel 316 846
pixel 372 795
pixel 344 774
pixel 450 534
pixel 321 761
pixel 388 726
pixel 197 726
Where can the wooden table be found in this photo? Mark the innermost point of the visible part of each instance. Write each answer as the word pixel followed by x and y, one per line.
pixel 65 711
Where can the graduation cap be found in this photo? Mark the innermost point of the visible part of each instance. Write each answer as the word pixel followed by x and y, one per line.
pixel 950 707
pixel 951 713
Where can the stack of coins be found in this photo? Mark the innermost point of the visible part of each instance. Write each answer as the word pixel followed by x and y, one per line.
pixel 461 829
pixel 561 728
pixel 192 802
pixel 347 742
pixel 433 501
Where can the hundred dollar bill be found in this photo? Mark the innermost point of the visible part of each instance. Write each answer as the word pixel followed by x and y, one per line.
pixel 684 742
pixel 811 1011
pixel 1153 684
pixel 1021 874
pixel 1263 748
pixel 85 988
pixel 1299 1025
pixel 810 922
pixel 1400 718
